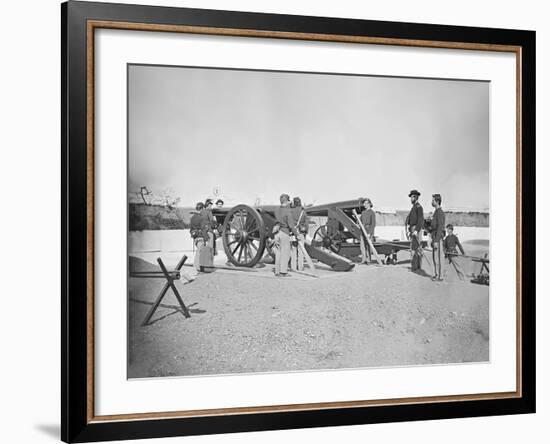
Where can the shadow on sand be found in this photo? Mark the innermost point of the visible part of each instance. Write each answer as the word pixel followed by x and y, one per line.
pixel 175 308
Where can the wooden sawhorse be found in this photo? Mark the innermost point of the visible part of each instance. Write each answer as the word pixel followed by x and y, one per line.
pixel 483 276
pixel 170 277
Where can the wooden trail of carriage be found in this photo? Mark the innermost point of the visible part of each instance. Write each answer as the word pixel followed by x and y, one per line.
pixel 245 231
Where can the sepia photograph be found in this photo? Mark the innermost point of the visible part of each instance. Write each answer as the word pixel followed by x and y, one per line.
pixel 300 221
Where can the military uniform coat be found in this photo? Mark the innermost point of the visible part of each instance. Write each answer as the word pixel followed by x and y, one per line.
pixel 451 243
pixel 196 226
pixel 368 219
pixel 285 220
pixel 415 219
pixel 438 225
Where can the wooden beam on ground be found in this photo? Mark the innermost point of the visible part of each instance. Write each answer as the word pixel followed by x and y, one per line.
pixel 217 267
pixel 305 273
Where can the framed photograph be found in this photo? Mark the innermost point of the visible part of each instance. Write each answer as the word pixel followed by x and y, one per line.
pixel 275 221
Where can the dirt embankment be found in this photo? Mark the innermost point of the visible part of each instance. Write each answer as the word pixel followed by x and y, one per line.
pixel 157 217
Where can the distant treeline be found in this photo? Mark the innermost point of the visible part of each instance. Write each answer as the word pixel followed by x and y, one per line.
pixel 158 217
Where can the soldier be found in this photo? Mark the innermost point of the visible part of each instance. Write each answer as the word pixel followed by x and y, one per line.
pixel 368 219
pixel 198 235
pixel 208 226
pixel 450 244
pixel 437 233
pixel 414 226
pixel 282 229
pixel 299 215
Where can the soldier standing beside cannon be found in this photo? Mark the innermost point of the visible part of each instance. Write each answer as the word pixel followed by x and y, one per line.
pixel 301 225
pixel 368 219
pixel 284 226
pixel 437 233
pixel 198 235
pixel 414 225
pixel 450 244
pixel 208 224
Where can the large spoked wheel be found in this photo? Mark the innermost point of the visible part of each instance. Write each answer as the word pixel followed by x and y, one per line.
pixel 243 236
pixel 323 238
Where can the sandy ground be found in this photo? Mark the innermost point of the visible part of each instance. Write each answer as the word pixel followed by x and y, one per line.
pixel 245 322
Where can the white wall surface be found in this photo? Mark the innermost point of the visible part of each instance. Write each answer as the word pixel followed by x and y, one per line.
pixel 30 219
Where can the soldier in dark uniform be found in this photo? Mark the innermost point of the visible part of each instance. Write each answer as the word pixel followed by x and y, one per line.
pixel 282 229
pixel 197 234
pixel 414 226
pixel 368 219
pixel 300 218
pixel 437 233
pixel 208 226
pixel 450 244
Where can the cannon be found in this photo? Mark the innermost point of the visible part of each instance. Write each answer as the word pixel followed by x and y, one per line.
pixel 341 233
pixel 245 229
pixel 244 233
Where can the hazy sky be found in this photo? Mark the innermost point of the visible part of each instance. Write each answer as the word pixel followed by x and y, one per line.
pixel 322 137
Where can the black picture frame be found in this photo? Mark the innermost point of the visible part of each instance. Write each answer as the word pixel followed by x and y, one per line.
pixel 77 425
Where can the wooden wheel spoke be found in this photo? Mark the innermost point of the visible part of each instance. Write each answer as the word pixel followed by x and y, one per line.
pixel 235 249
pixel 251 224
pixel 241 219
pixel 249 251
pixel 240 252
pixel 254 246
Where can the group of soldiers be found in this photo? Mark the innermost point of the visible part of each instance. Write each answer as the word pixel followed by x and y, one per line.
pixel 287 239
pixel 444 242
pixel 292 225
